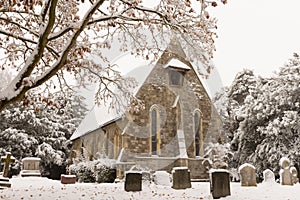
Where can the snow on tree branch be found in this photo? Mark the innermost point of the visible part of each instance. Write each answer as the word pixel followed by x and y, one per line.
pixel 43 39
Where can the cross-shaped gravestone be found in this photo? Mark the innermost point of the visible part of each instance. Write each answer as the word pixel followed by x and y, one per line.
pixel 7 160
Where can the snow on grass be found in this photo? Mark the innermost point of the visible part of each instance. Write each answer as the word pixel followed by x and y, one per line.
pixel 43 188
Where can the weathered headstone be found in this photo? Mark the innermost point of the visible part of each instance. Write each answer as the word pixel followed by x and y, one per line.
pixel 298 169
pixel 7 160
pixel 133 182
pixel 30 167
pixel 285 174
pixel 269 176
pixel 68 179
pixel 219 183
pixel 294 173
pixel 181 178
pixel 247 175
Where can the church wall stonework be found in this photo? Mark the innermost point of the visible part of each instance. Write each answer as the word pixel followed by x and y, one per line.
pixel 158 91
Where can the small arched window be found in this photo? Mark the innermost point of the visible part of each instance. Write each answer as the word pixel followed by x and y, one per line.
pixel 198 133
pixel 155 136
pixel 116 145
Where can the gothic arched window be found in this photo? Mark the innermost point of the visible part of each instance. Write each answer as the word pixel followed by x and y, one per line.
pixel 198 133
pixel 155 136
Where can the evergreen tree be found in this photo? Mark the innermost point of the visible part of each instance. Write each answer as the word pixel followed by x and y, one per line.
pixel 264 117
pixel 41 129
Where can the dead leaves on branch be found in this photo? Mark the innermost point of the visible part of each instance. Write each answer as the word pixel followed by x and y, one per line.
pixel 24 22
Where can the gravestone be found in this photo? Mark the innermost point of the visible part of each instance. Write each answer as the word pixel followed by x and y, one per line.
pixel 162 178
pixel 68 179
pixel 4 183
pixel 181 178
pixel 285 174
pixel 7 160
pixel 269 176
pixel 298 169
pixel 133 181
pixel 30 167
pixel 219 183
pixel 247 175
pixel 294 173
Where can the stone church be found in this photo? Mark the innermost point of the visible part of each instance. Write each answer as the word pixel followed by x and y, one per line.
pixel 174 127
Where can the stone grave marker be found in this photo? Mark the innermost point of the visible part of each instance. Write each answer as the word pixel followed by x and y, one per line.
pixel 4 180
pixel 285 174
pixel 7 160
pixel 133 181
pixel 31 167
pixel 269 176
pixel 219 183
pixel 68 179
pixel 181 178
pixel 294 173
pixel 247 175
pixel 4 183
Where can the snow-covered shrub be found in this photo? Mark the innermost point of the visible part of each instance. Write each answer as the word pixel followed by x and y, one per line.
pixel 104 173
pixel 219 154
pixel 101 171
pixel 84 171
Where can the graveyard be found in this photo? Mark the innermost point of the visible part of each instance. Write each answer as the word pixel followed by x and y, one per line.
pixel 42 188
pixel 156 185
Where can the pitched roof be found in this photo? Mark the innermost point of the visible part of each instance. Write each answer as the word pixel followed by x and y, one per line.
pixel 174 62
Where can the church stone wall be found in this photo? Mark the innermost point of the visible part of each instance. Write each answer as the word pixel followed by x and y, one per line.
pixel 157 91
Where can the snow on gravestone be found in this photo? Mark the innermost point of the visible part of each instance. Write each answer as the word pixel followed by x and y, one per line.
pixel 285 174
pixel 247 174
pixel 269 176
pixel 162 178
pixel 133 181
pixel 294 173
pixel 31 166
pixel 219 183
pixel 181 178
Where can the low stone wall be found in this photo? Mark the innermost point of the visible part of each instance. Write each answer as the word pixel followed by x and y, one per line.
pixel 198 171
pixel 156 163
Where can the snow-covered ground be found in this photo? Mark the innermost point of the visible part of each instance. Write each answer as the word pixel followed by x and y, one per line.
pixel 42 188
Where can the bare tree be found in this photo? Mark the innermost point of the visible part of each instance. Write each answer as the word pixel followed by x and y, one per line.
pixel 43 41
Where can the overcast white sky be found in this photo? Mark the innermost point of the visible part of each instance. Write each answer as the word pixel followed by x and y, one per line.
pixel 256 34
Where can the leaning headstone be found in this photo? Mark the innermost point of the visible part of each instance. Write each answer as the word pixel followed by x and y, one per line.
pixel 285 174
pixel 181 178
pixel 162 178
pixel 7 160
pixel 294 173
pixel 219 183
pixel 269 177
pixel 133 181
pixel 247 175
pixel 30 167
